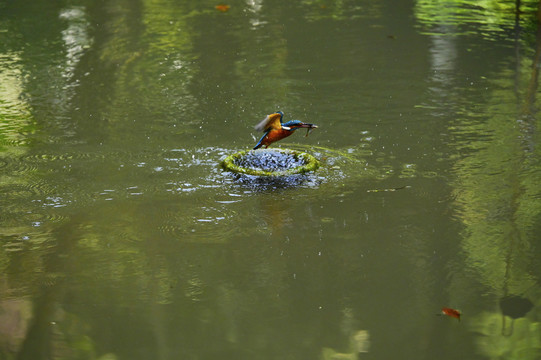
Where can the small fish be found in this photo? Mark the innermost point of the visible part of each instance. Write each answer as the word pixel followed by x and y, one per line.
pixel 309 130
pixel 451 312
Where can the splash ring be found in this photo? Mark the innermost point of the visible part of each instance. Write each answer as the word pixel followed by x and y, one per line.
pixel 270 162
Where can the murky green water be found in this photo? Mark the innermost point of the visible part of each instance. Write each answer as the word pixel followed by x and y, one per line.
pixel 121 237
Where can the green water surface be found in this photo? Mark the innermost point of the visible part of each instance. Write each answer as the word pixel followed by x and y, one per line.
pixel 122 238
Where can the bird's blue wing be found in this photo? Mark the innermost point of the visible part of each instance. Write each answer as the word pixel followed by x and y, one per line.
pixel 260 142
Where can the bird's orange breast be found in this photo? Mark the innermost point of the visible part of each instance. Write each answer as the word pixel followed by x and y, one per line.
pixel 275 135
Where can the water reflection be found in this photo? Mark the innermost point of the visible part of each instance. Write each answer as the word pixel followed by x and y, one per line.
pixel 491 183
pixel 75 36
pixel 491 20
pixel 16 118
pixel 122 238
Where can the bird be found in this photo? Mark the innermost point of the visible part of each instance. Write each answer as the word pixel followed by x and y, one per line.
pixel 276 130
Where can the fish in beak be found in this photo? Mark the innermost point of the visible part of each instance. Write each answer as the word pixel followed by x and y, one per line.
pixel 309 128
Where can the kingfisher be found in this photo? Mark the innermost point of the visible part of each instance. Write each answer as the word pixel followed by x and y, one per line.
pixel 276 130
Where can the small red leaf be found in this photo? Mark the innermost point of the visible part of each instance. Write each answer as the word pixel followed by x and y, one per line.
pixel 222 7
pixel 451 312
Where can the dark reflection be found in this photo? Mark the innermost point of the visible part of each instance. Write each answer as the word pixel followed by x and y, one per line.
pixel 515 307
pixel 52 332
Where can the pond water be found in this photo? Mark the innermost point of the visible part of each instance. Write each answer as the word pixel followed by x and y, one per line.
pixel 122 238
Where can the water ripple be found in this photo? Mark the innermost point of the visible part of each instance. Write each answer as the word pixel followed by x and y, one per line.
pixel 59 180
pixel 210 225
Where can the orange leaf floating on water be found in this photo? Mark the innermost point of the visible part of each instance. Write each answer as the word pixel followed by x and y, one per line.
pixel 451 312
pixel 222 7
